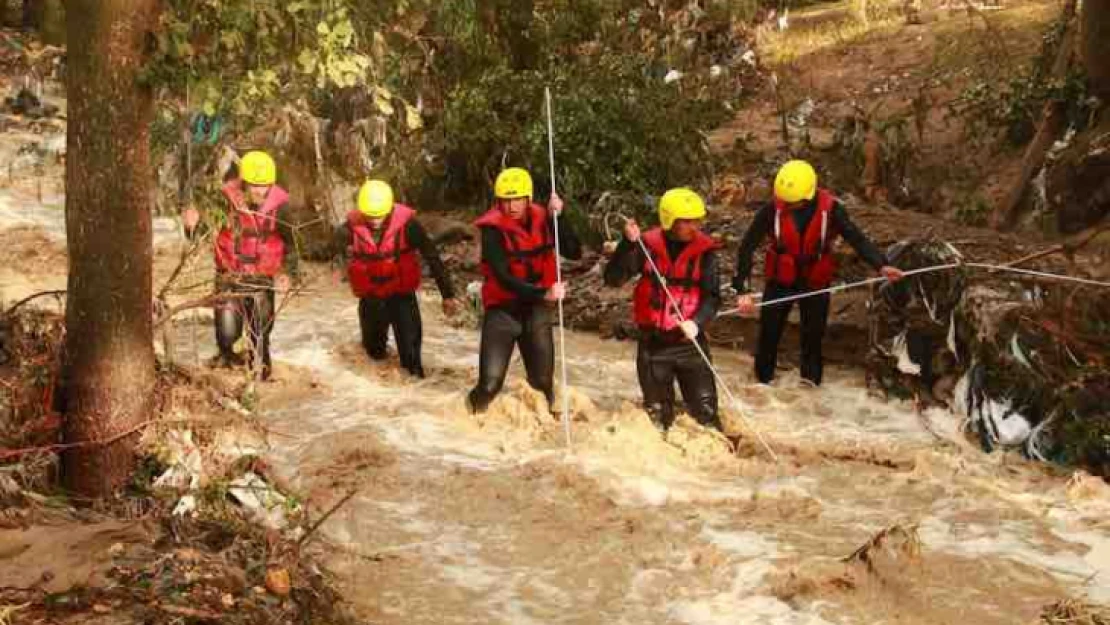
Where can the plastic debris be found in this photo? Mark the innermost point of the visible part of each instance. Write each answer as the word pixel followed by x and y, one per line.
pixel 266 505
pixel 185 463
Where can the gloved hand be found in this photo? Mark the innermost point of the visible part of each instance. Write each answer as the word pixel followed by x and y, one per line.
pixel 555 204
pixel 557 292
pixel 690 329
pixel 632 230
pixel 746 304
pixel 190 217
pixel 892 274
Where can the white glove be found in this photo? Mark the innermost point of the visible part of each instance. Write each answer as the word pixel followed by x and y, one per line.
pixel 690 329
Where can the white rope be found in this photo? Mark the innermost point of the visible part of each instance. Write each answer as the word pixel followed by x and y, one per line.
pixel 845 287
pixel 840 287
pixel 678 312
pixel 558 271
pixel 1039 274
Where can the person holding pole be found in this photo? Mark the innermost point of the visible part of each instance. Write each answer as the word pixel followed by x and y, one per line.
pixel 678 294
pixel 800 229
pixel 520 286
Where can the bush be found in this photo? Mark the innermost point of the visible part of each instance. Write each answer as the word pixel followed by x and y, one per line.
pixel 1014 106
pixel 617 129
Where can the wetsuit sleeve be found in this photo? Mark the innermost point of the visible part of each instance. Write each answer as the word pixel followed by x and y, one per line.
pixel 569 244
pixel 857 239
pixel 418 238
pixel 291 262
pixel 493 253
pixel 710 290
pixel 757 232
pixel 626 263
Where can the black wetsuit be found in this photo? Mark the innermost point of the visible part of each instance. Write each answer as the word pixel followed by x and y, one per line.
pixel 662 358
pixel 400 312
pixel 815 309
pixel 526 322
pixel 254 303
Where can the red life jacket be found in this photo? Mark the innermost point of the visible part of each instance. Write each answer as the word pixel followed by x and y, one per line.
pixel 651 308
pixel 531 253
pixel 250 244
pixel 807 256
pixel 384 269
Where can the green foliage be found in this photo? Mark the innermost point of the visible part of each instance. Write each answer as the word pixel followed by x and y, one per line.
pixel 248 57
pixel 1085 431
pixel 617 129
pixel 1014 105
pixel 436 95
pixel 974 210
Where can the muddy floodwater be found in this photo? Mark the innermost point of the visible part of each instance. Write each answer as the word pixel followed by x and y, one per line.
pixel 492 520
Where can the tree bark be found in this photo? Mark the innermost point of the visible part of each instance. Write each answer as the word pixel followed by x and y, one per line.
pixel 108 379
pixel 1096 46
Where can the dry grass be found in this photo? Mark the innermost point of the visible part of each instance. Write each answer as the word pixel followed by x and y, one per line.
pixel 815 31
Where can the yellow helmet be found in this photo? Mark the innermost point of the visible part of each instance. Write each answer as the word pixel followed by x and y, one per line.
pixel 795 182
pixel 513 183
pixel 681 203
pixel 375 199
pixel 258 168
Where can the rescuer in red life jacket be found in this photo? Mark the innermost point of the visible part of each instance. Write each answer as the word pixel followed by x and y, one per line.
pixel 381 241
pixel 519 286
pixel 799 230
pixel 254 256
pixel 687 259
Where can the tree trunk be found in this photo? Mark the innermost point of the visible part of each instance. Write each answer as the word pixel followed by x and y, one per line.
pixel 1096 46
pixel 108 378
pixel 1006 214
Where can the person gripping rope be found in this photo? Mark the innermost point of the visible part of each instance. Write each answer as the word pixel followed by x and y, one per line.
pixel 687 259
pixel 800 229
pixel 519 286
pixel 381 241
pixel 253 258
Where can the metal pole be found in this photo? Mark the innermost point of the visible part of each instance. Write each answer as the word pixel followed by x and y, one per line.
pixel 558 271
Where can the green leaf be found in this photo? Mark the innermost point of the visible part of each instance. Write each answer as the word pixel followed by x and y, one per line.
pixel 382 98
pixel 413 120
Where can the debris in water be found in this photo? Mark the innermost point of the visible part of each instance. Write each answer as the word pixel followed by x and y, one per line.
pixel 1075 612
pixel 897 542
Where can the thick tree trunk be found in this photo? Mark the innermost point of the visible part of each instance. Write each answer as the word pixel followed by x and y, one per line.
pixel 1096 46
pixel 109 365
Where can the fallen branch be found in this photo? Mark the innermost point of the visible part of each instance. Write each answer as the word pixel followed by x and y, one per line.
pixel 326 516
pixel 31 298
pixel 6 454
pixel 204 302
pixel 1069 247
pixel 910 546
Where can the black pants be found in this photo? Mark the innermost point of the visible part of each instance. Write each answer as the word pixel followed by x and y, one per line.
pixel 254 306
pixel 402 313
pixel 659 363
pixel 772 323
pixel 528 326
